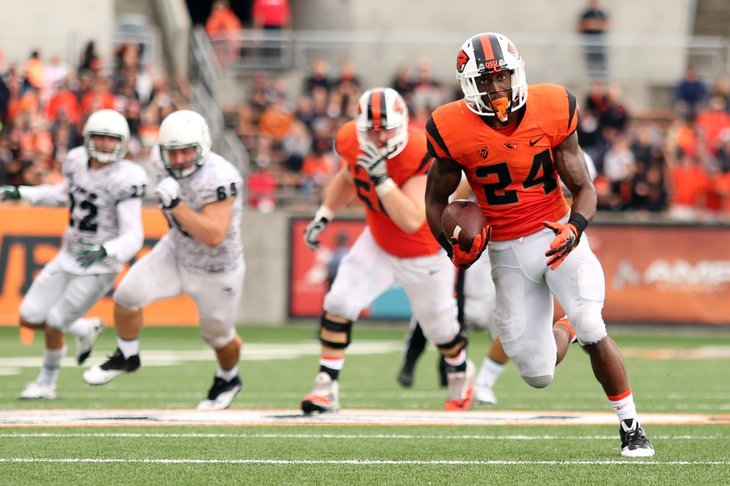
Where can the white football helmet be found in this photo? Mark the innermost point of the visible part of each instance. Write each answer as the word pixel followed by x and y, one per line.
pixel 487 53
pixel 182 129
pixel 110 123
pixel 382 109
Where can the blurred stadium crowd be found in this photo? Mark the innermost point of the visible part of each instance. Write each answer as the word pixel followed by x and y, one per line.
pixel 675 163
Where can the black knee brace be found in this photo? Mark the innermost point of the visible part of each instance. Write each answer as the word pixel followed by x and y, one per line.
pixel 454 347
pixel 335 335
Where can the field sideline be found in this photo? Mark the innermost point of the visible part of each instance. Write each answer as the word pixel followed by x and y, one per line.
pixel 143 428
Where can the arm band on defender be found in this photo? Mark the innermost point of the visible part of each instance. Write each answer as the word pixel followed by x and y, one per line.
pixel 324 213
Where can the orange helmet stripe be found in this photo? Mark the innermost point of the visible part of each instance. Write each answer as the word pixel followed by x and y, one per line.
pixel 487 50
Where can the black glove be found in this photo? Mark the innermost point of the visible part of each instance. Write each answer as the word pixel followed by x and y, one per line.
pixel 90 254
pixel 9 193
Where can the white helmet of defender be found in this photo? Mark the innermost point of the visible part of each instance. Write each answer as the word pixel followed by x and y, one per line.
pixel 184 129
pixel 109 123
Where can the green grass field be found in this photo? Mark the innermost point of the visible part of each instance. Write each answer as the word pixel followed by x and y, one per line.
pixel 671 372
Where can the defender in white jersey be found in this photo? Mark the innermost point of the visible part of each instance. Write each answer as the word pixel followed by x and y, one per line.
pixel 104 193
pixel 201 256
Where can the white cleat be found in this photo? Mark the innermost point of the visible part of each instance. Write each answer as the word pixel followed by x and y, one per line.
pixel 39 391
pixel 484 395
pixel 221 394
pixel 85 344
pixel 325 398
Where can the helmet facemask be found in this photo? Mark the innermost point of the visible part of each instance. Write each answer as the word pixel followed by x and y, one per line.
pixel 382 121
pixel 181 170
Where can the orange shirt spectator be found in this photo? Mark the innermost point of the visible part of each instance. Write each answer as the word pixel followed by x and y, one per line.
pixel 271 14
pixel 713 121
pixel 689 184
pixel 222 20
pixel 34 71
pixel 276 121
pixel 65 100
pixel 262 190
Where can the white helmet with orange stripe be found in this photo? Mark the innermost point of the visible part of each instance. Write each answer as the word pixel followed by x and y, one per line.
pixel 488 53
pixel 382 121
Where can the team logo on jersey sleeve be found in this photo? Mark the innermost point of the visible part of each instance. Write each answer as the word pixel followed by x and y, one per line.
pixel 484 152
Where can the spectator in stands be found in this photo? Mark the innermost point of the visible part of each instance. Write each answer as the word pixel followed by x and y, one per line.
pixel 271 14
pixel 4 101
pixel 223 27
pixel 261 189
pixel 619 167
pixel 345 92
pixel 90 60
pixel 317 170
pixel 34 72
pixel 56 72
pixel 690 93
pixel 403 83
pixel 427 91
pixel 275 16
pixel 318 80
pixel 296 144
pixel 689 184
pixel 593 24
pixel 98 98
pixel 712 121
pixel 64 101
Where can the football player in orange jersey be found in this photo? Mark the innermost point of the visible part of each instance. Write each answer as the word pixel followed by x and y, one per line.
pixel 385 165
pixel 514 149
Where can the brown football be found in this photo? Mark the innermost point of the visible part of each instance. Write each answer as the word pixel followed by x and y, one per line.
pixel 463 219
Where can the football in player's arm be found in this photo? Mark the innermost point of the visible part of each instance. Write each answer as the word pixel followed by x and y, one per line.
pixel 104 194
pixel 201 256
pixel 514 148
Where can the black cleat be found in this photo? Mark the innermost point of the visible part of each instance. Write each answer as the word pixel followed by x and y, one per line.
pixel 634 442
pixel 116 365
pixel 221 394
pixel 405 377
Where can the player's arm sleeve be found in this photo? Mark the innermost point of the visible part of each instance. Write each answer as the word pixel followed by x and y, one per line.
pixel 435 143
pixel 131 234
pixel 569 122
pixel 45 194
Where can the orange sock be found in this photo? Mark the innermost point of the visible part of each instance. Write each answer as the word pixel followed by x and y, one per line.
pixel 563 321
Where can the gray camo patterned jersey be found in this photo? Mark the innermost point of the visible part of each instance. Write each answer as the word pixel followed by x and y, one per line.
pixel 217 179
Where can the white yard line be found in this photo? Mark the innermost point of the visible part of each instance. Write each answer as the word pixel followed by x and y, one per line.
pixel 284 417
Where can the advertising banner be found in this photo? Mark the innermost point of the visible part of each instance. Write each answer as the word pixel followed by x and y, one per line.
pixel 31 236
pixel 664 274
pixel 311 271
pixel 654 274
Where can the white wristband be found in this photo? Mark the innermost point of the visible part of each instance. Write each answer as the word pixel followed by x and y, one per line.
pixel 385 187
pixel 324 213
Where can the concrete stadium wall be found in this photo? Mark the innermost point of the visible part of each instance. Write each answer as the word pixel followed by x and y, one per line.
pixel 55 28
pixel 266 249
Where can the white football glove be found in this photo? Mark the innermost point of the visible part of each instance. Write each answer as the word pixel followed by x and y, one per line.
pixel 316 227
pixel 374 163
pixel 168 192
